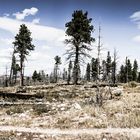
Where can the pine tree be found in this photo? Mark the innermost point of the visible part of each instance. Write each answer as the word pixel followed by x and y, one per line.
pixel 69 72
pixel 129 70
pixel 80 30
pixel 114 67
pixel 94 68
pixel 88 72
pixel 108 64
pixel 57 63
pixel 39 78
pixel 23 45
pixel 64 74
pixel 122 74
pixel 35 76
pixel 16 69
pixel 135 70
pixel 103 70
pixel 43 76
pixel 138 79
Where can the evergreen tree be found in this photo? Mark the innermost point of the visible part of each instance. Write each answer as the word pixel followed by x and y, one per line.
pixel 64 74
pixel 80 30
pixel 129 70
pixel 43 76
pixel 57 63
pixel 94 68
pixel 113 72
pixel 122 74
pixel 88 72
pixel 108 64
pixel 135 70
pixel 103 70
pixel 39 78
pixel 16 69
pixel 114 67
pixel 69 72
pixel 138 79
pixel 35 76
pixel 23 45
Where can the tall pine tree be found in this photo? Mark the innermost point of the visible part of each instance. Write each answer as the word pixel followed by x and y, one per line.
pixel 79 29
pixel 23 46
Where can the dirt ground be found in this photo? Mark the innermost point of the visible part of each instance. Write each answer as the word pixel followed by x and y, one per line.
pixel 69 108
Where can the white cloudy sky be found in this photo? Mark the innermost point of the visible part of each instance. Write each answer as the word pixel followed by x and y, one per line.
pixel 46 20
pixel 48 41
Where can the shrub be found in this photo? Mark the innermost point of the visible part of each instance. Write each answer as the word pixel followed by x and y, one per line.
pixel 14 110
pixel 132 84
pixel 41 108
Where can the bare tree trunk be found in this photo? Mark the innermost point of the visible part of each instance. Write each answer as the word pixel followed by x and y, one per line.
pixel 21 72
pixel 99 98
pixel 114 67
pixel 76 66
pixel 11 70
pixel 56 73
pixel 69 77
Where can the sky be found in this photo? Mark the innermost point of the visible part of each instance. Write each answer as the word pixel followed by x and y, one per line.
pixel 119 20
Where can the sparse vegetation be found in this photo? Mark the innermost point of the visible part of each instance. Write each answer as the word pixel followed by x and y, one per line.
pixel 100 98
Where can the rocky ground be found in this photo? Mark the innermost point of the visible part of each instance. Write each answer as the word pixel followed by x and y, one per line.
pixel 71 108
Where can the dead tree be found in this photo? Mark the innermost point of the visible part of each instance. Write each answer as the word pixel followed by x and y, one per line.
pixel 114 67
pixel 98 93
pixel 11 69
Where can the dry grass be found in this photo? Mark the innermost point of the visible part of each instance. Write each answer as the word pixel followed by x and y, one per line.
pixel 62 110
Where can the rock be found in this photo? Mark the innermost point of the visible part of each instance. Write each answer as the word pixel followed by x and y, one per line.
pixel 23 116
pixel 42 136
pixel 117 92
pixel 19 134
pixel 77 106
pixel 20 89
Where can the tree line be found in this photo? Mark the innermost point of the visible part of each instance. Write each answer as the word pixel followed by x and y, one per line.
pixel 79 33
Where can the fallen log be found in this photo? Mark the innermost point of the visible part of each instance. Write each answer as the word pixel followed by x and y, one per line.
pixel 19 95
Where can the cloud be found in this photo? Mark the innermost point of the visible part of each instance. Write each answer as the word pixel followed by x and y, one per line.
pixel 6 14
pixel 25 13
pixel 136 38
pixel 36 21
pixel 135 16
pixel 7 41
pixel 39 32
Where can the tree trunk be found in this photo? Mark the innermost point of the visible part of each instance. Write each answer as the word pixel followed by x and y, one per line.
pixel 69 77
pixel 76 66
pixel 21 72
pixel 56 74
pixel 15 78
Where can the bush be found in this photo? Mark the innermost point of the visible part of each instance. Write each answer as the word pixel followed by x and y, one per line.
pixel 14 110
pixel 132 84
pixel 41 108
